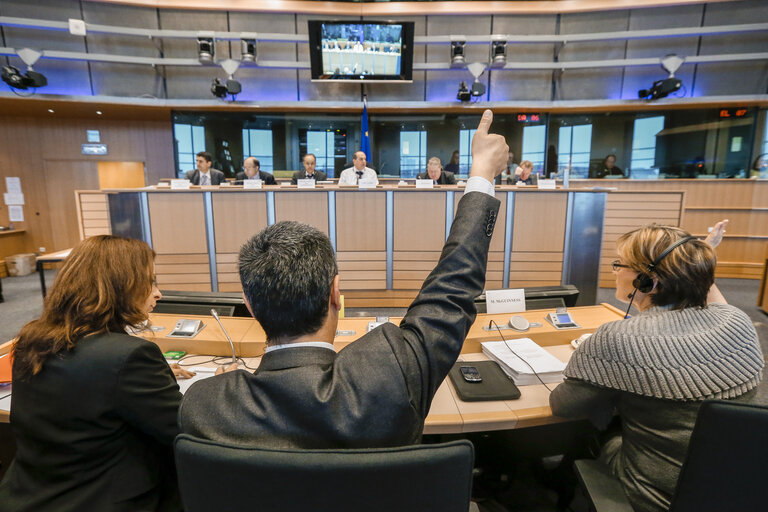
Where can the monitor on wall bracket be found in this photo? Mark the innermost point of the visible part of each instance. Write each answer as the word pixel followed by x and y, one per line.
pixel 362 51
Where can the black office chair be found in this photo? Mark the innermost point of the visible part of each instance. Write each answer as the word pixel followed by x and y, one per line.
pixel 722 470
pixel 423 478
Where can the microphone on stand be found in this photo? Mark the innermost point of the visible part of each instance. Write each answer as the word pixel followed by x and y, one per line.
pixel 215 315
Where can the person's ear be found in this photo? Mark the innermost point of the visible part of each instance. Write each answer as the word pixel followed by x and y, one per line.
pixel 335 298
pixel 247 304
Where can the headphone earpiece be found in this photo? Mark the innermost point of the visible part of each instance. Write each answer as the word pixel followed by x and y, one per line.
pixel 643 283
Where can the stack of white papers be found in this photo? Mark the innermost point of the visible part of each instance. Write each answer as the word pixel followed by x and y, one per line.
pixel 509 353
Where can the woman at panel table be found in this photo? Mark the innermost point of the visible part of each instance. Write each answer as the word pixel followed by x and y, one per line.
pixel 760 167
pixel 93 409
pixel 654 370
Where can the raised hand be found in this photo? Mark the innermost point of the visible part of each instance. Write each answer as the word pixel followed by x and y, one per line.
pixel 489 151
pixel 716 235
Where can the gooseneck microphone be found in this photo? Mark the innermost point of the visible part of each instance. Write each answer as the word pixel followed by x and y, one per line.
pixel 215 315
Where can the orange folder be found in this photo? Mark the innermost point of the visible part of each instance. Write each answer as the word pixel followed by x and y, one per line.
pixel 5 367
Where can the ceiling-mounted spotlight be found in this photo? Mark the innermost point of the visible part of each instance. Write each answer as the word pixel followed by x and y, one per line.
pixel 660 89
pixel 457 53
pixel 231 86
pixel 464 94
pixel 663 88
pixel 478 88
pixel 13 77
pixel 206 49
pixel 248 50
pixel 498 54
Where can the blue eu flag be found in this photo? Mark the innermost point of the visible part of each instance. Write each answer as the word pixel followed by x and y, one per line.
pixel 365 144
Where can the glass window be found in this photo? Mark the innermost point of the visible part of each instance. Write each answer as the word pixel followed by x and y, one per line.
pixel 765 136
pixel 258 144
pixel 643 163
pixel 574 147
pixel 190 140
pixel 465 150
pixel 413 153
pixel 534 142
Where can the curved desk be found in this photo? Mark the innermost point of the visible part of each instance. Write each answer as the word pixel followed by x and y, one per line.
pixel 448 414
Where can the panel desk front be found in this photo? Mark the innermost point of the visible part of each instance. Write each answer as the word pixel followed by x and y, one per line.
pixel 448 413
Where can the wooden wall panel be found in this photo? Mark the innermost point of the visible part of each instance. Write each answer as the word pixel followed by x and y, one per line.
pixel 539 222
pixel 361 221
pixel 181 229
pixel 121 175
pixel 309 207
pixel 62 178
pixel 93 213
pixel 419 221
pixel 237 216
pixel 28 142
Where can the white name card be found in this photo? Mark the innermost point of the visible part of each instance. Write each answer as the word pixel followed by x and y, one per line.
pixel 505 301
pixel 425 183
pixel 180 184
pixel 366 183
pixel 253 183
pixel 306 183
pixel 547 184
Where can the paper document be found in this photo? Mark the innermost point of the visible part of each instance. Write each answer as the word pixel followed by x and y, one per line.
pixel 509 355
pixel 203 372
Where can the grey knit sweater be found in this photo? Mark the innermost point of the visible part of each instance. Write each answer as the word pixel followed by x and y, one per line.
pixel 654 370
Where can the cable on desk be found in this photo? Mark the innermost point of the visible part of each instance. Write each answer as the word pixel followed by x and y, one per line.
pixel 520 358
pixel 6 396
pixel 215 360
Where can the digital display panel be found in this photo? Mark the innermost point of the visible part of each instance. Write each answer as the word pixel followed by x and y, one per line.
pixel 564 319
pixel 361 51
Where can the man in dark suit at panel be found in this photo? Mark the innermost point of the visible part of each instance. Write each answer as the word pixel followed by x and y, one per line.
pixel 252 171
pixel 204 174
pixel 309 171
pixel 436 173
pixel 376 391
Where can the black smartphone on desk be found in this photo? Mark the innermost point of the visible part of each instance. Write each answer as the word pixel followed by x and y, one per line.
pixel 493 385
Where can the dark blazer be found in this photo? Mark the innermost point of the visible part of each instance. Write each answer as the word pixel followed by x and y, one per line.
pixel 375 392
pixel 217 177
pixel 446 178
pixel 267 178
pixel 300 175
pixel 94 430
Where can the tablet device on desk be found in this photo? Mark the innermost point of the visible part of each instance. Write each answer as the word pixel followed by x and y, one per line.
pixel 495 385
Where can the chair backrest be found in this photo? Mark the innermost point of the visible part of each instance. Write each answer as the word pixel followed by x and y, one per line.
pixel 726 455
pixel 423 478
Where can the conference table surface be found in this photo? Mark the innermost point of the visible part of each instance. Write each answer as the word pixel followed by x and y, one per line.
pixel 448 414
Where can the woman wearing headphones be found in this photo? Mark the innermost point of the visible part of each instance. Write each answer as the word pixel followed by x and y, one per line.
pixel 654 370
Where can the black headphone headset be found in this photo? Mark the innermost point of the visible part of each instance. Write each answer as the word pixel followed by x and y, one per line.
pixel 644 282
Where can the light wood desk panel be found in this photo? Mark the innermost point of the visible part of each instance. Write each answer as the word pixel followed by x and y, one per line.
pixel 307 206
pixel 448 414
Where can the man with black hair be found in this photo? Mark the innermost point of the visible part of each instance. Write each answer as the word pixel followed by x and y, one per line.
pixel 204 174
pixel 376 392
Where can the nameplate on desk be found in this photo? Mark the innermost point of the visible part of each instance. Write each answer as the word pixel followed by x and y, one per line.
pixel 305 183
pixel 505 301
pixel 425 184
pixel 180 184
pixel 547 184
pixel 366 183
pixel 253 183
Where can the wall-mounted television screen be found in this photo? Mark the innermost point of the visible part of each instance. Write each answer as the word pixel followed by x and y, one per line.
pixel 367 51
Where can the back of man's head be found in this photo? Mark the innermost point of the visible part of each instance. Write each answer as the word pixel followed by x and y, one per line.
pixel 286 271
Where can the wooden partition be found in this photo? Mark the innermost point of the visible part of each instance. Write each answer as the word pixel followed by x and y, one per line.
pixel 743 202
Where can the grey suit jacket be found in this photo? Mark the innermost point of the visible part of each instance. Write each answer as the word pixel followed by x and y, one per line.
pixel 217 177
pixel 300 175
pixel 446 178
pixel 375 392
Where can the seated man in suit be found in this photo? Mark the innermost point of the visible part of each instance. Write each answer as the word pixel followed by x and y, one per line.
pixel 204 175
pixel 357 171
pixel 252 171
pixel 375 392
pixel 309 171
pixel 436 173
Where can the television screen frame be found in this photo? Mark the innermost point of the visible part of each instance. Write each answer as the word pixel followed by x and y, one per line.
pixel 316 53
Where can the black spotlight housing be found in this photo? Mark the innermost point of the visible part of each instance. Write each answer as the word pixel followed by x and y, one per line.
pixel 220 90
pixel 464 94
pixel 478 89
pixel 13 77
pixel 660 89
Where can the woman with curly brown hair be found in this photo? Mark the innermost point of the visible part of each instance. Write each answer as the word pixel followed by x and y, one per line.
pixel 93 409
